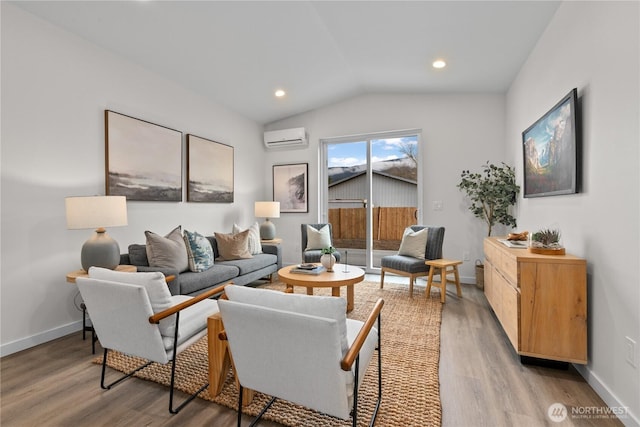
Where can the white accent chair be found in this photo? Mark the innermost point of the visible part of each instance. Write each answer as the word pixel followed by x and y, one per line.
pixel 300 348
pixel 134 313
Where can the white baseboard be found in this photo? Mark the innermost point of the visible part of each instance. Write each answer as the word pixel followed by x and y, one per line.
pixel 629 419
pixel 41 338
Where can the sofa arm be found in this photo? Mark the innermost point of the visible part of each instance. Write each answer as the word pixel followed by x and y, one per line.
pixel 273 250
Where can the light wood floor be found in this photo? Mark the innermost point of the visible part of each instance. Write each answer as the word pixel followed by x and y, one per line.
pixel 482 383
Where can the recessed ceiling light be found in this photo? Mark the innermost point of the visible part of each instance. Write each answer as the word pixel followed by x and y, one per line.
pixel 280 93
pixel 439 63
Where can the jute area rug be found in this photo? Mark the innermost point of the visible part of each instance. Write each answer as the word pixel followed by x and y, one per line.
pixel 410 356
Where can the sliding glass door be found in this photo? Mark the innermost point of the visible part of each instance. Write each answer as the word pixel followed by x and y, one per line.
pixel 370 193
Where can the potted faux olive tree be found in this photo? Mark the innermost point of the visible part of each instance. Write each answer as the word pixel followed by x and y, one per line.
pixel 492 193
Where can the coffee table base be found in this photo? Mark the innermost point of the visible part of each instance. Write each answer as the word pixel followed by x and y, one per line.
pixel 335 292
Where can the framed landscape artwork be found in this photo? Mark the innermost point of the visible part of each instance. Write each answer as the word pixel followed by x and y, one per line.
pixel 143 160
pixel 209 171
pixel 551 151
pixel 290 187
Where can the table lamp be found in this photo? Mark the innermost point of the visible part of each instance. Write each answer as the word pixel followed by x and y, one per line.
pixel 97 212
pixel 267 210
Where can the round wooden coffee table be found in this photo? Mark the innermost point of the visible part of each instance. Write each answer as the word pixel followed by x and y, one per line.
pixel 326 279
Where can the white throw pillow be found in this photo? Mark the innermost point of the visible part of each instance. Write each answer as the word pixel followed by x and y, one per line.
pixel 255 246
pixel 167 252
pixel 414 243
pixel 318 239
pixel 328 307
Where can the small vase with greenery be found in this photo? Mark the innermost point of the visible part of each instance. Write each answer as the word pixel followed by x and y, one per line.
pixel 492 193
pixel 327 259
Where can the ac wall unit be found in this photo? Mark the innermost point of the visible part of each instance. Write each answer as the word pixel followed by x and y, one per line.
pixel 286 138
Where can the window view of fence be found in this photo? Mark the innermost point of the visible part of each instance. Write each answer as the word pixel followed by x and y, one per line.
pixel 349 226
pixel 376 176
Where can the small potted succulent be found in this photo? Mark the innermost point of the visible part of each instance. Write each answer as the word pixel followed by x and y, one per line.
pixel 546 242
pixel 327 259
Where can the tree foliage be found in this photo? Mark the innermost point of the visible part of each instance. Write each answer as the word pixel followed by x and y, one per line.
pixel 492 193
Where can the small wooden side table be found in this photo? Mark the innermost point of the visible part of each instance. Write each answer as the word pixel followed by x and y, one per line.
pixel 220 359
pixel 275 241
pixel 443 267
pixel 71 278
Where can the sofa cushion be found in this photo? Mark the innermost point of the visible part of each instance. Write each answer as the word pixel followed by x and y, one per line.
pixel 191 282
pixel 254 243
pixel 138 255
pixel 246 266
pixel 329 307
pixel 233 246
pixel 168 251
pixel 318 239
pixel 199 251
pixel 156 288
pixel 414 243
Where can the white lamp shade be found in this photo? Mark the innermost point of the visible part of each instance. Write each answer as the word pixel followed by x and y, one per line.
pixel 96 211
pixel 267 209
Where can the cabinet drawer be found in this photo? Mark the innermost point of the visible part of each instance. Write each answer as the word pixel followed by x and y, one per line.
pixel 508 266
pixel 490 252
pixel 511 314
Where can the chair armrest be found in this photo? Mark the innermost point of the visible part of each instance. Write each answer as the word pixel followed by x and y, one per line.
pixel 353 351
pixel 156 318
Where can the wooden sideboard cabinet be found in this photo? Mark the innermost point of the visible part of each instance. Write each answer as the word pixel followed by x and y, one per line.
pixel 540 301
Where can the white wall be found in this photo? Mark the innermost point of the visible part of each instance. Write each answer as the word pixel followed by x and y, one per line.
pixel 55 88
pixel 594 46
pixel 458 132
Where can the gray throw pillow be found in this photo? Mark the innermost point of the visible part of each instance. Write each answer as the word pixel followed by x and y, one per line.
pixel 167 252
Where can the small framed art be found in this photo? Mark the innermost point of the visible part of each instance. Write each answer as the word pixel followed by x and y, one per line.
pixel 291 187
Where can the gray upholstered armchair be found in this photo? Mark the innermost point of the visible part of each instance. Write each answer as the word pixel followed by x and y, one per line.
pixel 410 266
pixel 312 246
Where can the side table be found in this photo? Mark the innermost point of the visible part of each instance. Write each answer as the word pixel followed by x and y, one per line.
pixel 220 360
pixel 71 278
pixel 275 241
pixel 443 267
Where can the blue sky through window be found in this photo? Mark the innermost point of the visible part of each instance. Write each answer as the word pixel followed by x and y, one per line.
pixel 355 153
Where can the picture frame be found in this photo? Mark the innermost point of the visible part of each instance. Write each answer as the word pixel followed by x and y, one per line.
pixel 550 150
pixel 143 160
pixel 210 177
pixel 291 187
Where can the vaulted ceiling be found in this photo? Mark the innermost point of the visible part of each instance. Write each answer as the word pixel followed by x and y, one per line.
pixel 237 53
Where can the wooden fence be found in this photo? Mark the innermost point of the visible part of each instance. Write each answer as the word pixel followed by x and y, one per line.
pixel 349 226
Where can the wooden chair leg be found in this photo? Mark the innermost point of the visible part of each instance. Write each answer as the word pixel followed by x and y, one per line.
pixel 381 278
pixel 457 276
pixel 411 280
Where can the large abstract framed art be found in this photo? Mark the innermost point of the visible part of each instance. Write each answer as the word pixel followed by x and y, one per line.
pixel 143 160
pixel 209 171
pixel 551 148
pixel 291 187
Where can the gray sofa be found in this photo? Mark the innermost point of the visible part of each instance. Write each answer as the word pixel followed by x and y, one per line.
pixel 241 272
